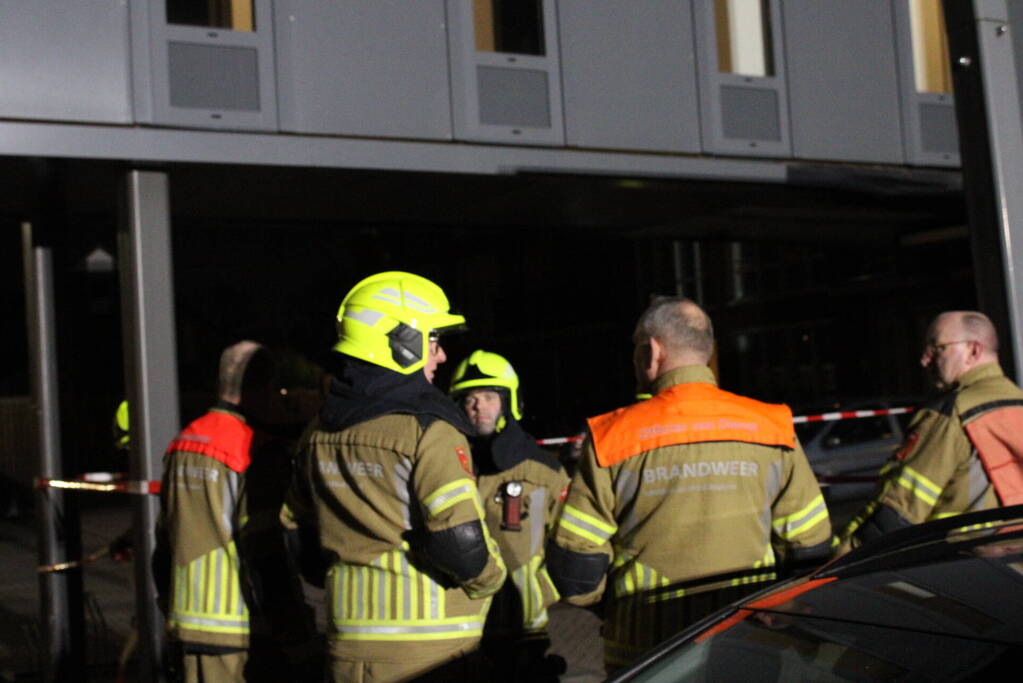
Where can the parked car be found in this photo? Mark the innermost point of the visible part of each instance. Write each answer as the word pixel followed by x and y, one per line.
pixel 847 454
pixel 934 602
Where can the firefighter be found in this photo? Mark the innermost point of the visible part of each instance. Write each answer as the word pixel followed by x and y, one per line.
pixel 685 501
pixel 962 452
pixel 384 485
pixel 522 488
pixel 197 564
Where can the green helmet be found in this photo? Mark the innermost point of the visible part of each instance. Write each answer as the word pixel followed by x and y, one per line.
pixel 487 370
pixel 122 427
pixel 387 320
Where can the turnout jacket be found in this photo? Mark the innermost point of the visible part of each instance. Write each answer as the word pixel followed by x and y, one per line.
pixel 522 488
pixel 938 470
pixel 197 568
pixel 381 477
pixel 693 490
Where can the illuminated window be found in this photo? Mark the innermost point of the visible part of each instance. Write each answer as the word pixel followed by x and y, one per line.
pixel 236 15
pixel 513 26
pixel 930 47
pixel 744 37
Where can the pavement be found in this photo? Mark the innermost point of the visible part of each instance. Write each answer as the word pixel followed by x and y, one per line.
pixel 109 604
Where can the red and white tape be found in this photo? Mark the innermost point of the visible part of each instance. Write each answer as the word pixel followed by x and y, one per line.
pixel 798 419
pixel 101 481
pixel 851 414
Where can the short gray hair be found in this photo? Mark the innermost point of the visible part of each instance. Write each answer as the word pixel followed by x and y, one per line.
pixel 678 324
pixel 244 366
pixel 978 326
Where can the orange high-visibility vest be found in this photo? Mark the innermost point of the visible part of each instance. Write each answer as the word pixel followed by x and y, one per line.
pixel 221 436
pixel 692 412
pixel 996 431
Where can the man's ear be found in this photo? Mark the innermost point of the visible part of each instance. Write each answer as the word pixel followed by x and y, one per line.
pixel 655 357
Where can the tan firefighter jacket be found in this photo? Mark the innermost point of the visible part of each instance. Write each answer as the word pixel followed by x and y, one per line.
pixel 521 529
pixel 370 491
pixel 202 514
pixel 936 473
pixel 683 490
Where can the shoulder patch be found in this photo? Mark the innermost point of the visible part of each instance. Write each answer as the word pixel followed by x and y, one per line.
pixel 463 458
pixel 563 496
pixel 908 445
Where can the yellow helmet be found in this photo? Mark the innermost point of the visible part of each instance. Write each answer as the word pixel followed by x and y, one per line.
pixel 487 370
pixel 387 318
pixel 122 427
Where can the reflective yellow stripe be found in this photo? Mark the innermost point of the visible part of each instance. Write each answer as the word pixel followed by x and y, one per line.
pixel 207 594
pixel 584 525
pixel 792 525
pixel 390 600
pixel 919 485
pixel 448 495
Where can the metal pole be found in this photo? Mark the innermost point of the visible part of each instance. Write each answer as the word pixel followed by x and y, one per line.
pixel 991 146
pixel 147 304
pixel 62 652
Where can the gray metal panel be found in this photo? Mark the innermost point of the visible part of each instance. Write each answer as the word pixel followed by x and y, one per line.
pixel 843 80
pixel 629 75
pixel 189 87
pixel 466 95
pixel 18 138
pixel 513 97
pixel 213 76
pixel 369 68
pixel 749 113
pixel 917 106
pixel 718 102
pixel 65 60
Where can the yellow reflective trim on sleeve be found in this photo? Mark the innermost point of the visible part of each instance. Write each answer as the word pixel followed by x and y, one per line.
pixel 798 522
pixel 587 526
pixel 448 495
pixel 919 485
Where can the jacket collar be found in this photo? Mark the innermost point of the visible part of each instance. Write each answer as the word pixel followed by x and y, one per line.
pixel 683 375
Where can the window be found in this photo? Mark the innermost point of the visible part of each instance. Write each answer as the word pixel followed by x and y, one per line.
pixel 931 68
pixel 744 37
pixel 236 15
pixel 513 26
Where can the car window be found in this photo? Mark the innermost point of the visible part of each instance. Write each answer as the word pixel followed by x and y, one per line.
pixel 772 646
pixel 806 431
pixel 859 430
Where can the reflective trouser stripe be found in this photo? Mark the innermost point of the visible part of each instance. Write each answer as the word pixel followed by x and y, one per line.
pixel 207 594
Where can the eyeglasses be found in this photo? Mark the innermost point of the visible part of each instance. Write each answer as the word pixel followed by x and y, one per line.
pixel 935 349
pixel 433 337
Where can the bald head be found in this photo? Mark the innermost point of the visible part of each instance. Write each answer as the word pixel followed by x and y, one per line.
pixel 957 342
pixel 246 373
pixel 673 332
pixel 681 327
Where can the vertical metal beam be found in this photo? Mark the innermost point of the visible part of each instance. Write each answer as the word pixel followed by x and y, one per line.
pixel 147 304
pixel 990 123
pixel 62 652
